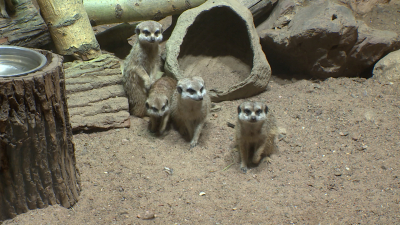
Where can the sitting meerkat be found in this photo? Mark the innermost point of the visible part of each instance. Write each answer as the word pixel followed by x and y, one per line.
pixel 158 104
pixel 255 132
pixel 142 66
pixel 190 107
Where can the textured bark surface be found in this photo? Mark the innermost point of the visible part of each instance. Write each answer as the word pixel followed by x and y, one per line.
pixel 70 28
pixel 258 8
pixel 118 11
pixel 96 97
pixel 37 154
pixel 25 28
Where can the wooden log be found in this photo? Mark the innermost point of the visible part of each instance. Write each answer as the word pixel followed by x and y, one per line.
pixel 25 28
pixel 259 8
pixel 70 28
pixel 37 154
pixel 96 97
pixel 118 11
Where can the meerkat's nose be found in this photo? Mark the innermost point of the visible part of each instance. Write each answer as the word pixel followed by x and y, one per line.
pixel 152 39
pixel 201 98
pixel 253 118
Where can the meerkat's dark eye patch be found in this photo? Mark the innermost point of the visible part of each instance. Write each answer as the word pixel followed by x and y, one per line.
pixel 157 33
pixel 163 108
pixel 179 89
pixel 147 105
pixel 154 109
pixel 258 112
pixel 146 32
pixel 191 91
pixel 201 89
pixel 247 111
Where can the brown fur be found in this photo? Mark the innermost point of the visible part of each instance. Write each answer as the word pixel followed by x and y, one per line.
pixel 256 137
pixel 187 114
pixel 158 103
pixel 142 67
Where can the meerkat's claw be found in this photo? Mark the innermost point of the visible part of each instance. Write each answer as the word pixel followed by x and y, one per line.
pixel 192 145
pixel 244 169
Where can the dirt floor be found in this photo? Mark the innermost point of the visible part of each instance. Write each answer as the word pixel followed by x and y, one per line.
pixel 338 163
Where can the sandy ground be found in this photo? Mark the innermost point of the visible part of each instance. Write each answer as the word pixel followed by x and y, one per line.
pixel 338 163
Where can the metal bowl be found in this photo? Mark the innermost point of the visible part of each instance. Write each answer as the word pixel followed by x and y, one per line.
pixel 18 61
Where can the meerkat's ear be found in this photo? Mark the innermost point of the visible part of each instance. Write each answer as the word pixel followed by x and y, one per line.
pixel 166 102
pixel 179 88
pixel 137 30
pixel 266 109
pixel 239 110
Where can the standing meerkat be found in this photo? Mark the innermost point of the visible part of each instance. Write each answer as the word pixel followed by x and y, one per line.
pixel 255 133
pixel 158 103
pixel 142 66
pixel 190 107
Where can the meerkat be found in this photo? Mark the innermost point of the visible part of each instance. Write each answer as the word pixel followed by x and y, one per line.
pixel 158 104
pixel 190 107
pixel 255 133
pixel 142 66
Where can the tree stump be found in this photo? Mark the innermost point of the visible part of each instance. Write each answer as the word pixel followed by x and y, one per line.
pixel 37 154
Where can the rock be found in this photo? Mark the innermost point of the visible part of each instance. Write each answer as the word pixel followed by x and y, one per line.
pixel 387 69
pixel 322 39
pixel 218 41
pixel 372 44
pixel 147 215
pixel 362 7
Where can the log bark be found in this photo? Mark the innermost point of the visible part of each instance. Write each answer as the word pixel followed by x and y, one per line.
pixel 96 97
pixel 70 28
pixel 259 8
pixel 25 28
pixel 37 154
pixel 118 11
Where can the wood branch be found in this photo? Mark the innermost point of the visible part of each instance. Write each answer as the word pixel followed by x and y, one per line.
pixel 118 11
pixel 96 97
pixel 70 28
pixel 37 155
pixel 258 8
pixel 25 28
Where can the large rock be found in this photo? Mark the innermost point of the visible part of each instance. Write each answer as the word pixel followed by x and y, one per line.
pixel 321 39
pixel 372 44
pixel 388 68
pixel 362 7
pixel 218 41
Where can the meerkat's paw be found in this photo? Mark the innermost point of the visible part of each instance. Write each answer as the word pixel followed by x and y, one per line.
pixel 193 144
pixel 268 160
pixel 243 168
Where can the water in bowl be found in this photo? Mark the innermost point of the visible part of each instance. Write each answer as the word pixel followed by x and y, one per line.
pixel 13 65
